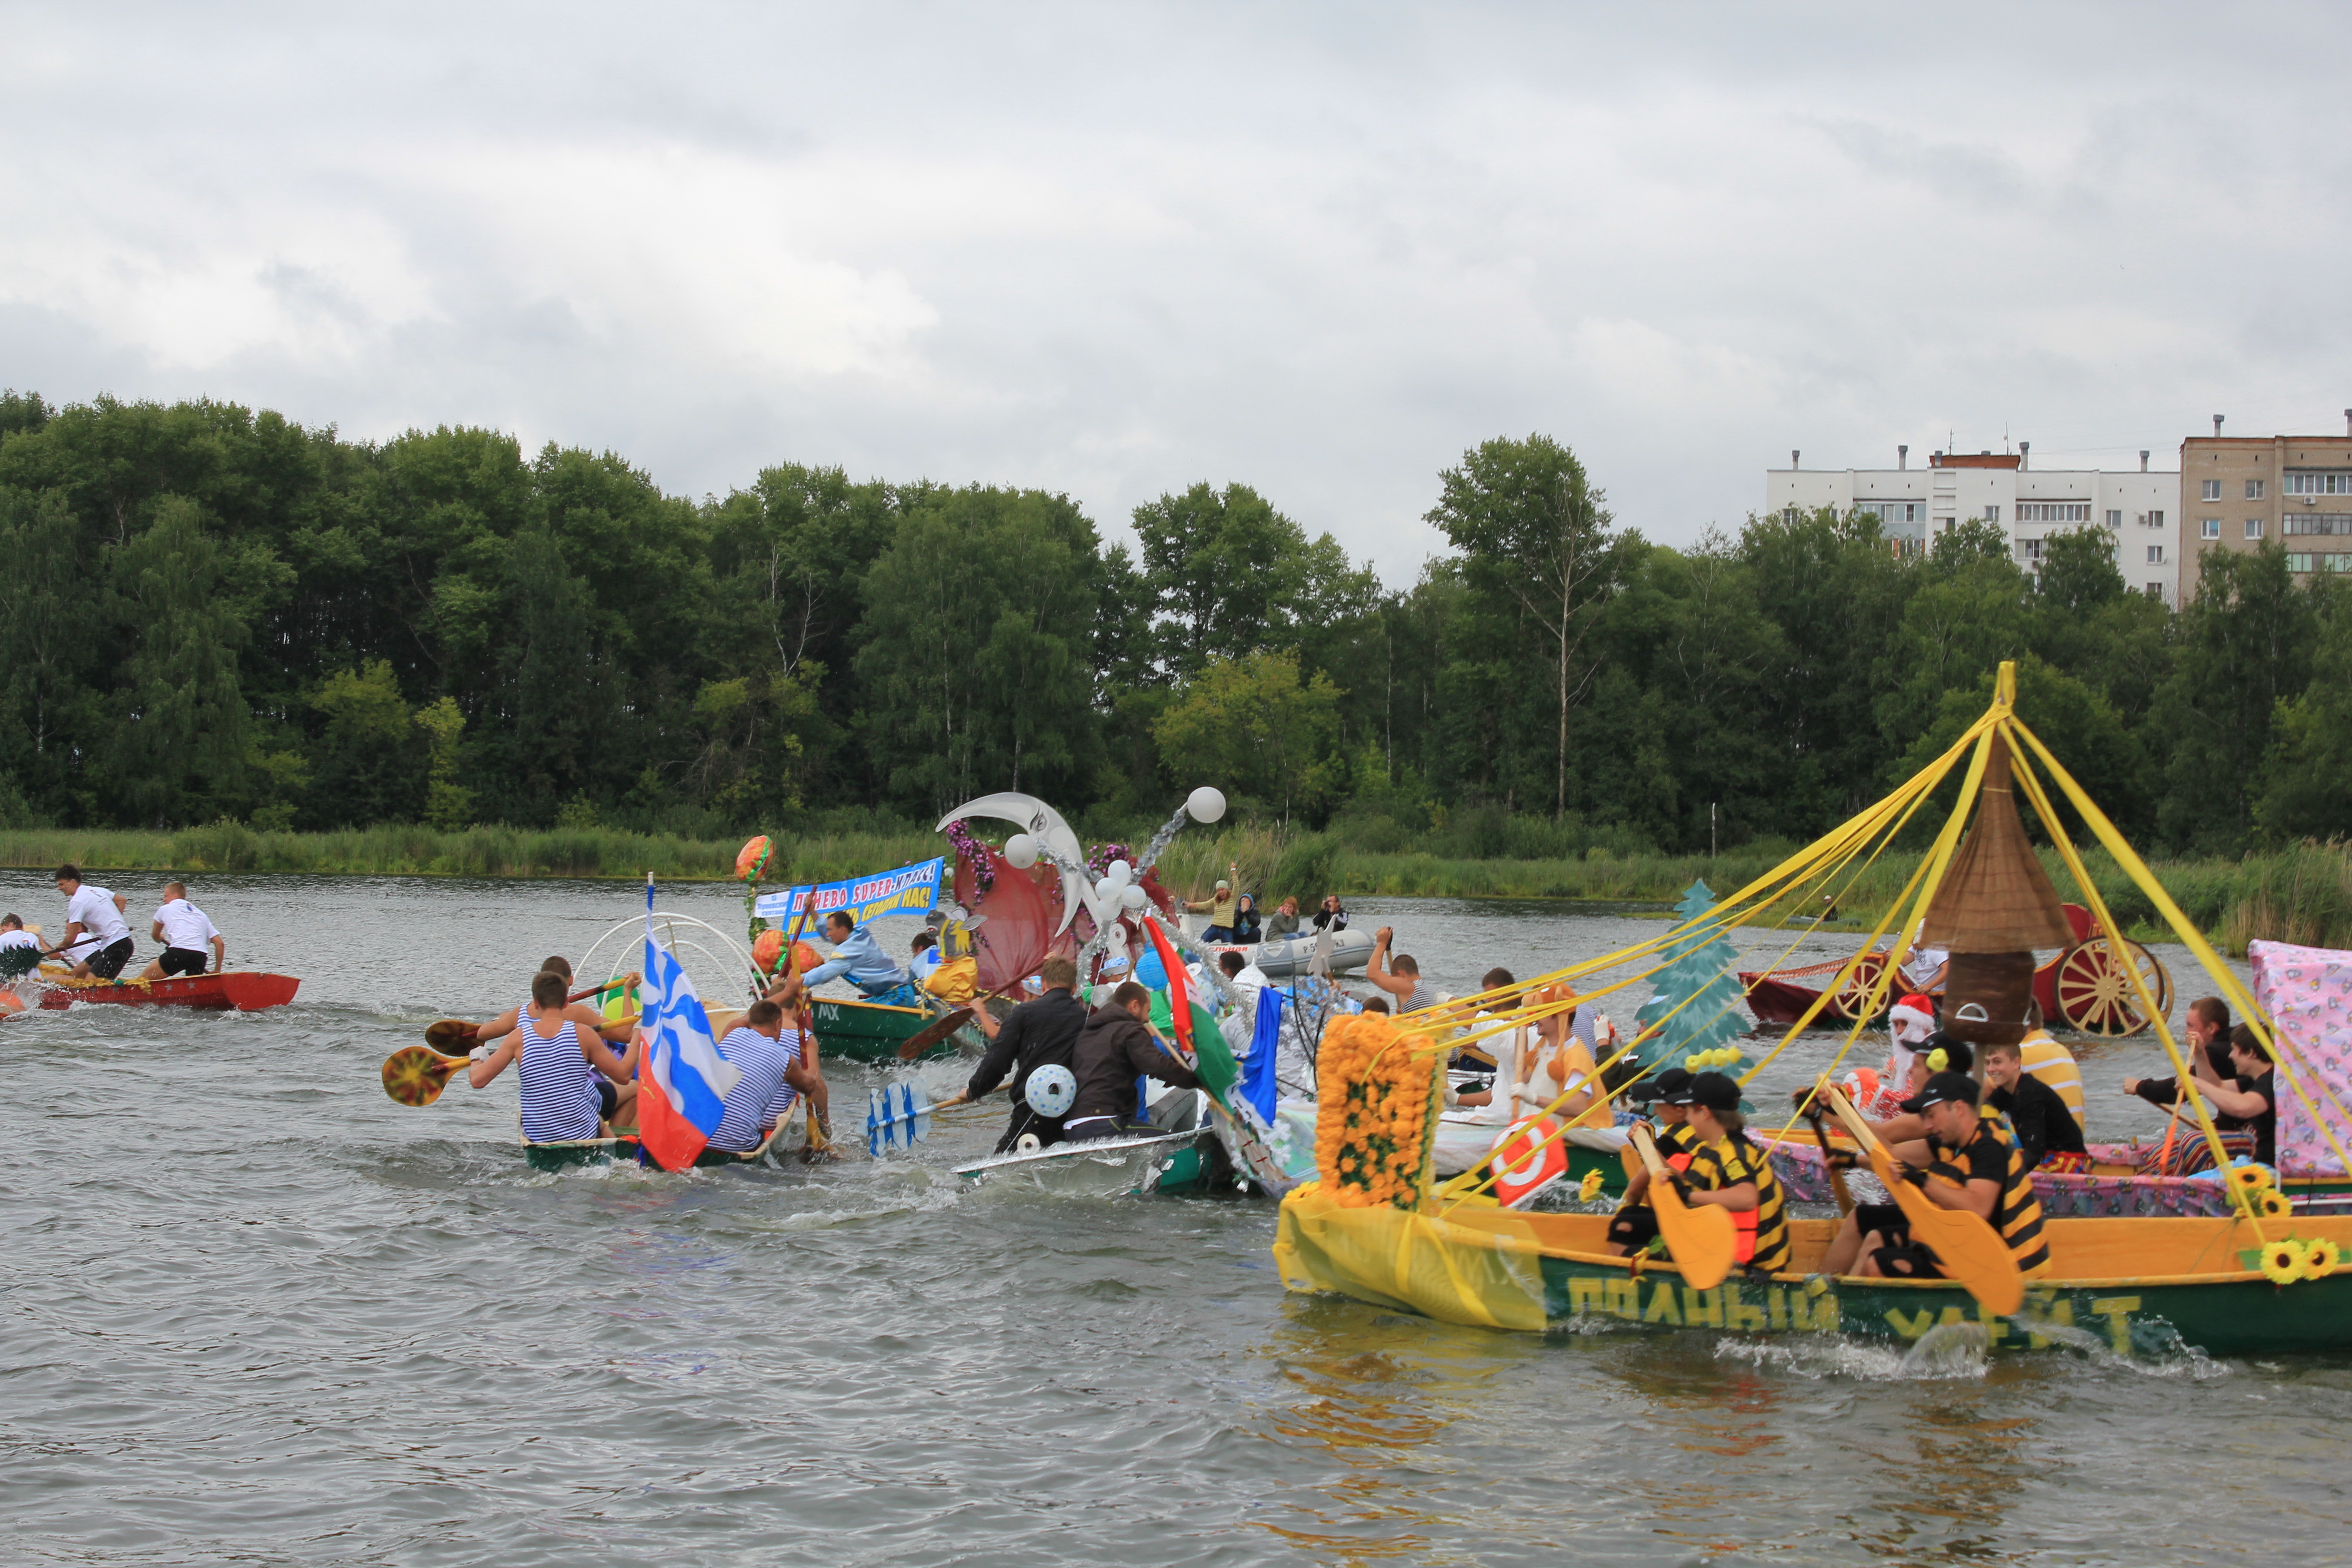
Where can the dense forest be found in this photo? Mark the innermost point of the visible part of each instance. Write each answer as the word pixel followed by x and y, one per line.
pixel 211 614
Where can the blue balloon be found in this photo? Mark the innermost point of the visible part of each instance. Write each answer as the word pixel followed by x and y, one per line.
pixel 1150 972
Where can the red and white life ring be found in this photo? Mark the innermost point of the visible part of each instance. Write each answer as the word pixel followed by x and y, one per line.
pixel 1519 1166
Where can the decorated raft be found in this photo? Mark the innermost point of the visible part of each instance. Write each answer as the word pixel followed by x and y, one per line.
pixel 2261 1278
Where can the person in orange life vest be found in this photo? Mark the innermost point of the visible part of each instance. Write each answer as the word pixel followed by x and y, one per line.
pixel 1633 1224
pixel 1727 1172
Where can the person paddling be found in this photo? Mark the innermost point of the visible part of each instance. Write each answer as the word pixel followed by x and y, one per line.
pixel 185 932
pixel 20 949
pixel 858 958
pixel 1116 1048
pixel 1038 1032
pixel 574 1086
pixel 94 928
pixel 1970 1167
pixel 773 1078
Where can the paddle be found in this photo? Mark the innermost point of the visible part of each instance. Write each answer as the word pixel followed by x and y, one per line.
pixel 443 1033
pixel 893 1117
pixel 938 1029
pixel 415 1076
pixel 1829 1163
pixel 1973 1256
pixel 1701 1239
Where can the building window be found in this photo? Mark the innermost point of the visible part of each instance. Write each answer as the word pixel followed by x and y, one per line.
pixel 2254 528
pixel 2154 519
pixel 1789 515
pixel 2318 522
pixel 2210 528
pixel 2319 484
pixel 2156 554
pixel 2029 550
pixel 1992 514
pixel 2052 511
pixel 2156 590
pixel 2114 517
pixel 2296 560
pixel 2253 490
pixel 2212 489
pixel 1893 511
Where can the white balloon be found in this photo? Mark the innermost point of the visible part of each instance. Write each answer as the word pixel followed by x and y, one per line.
pixel 1133 896
pixel 1021 851
pixel 1121 872
pixel 1206 804
pixel 1105 890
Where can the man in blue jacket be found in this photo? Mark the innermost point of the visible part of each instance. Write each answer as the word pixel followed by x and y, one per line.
pixel 857 956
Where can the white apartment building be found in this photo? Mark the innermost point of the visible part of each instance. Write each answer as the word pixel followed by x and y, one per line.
pixel 2002 488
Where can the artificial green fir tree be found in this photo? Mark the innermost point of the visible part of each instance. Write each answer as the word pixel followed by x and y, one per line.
pixel 1699 972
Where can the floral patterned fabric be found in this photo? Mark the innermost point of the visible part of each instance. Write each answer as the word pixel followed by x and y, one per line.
pixel 1799 1166
pixel 2307 992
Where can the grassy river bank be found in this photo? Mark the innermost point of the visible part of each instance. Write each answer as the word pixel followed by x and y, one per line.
pixel 2301 894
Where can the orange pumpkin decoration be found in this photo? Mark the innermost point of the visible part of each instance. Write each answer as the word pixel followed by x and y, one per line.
pixel 749 859
pixel 768 947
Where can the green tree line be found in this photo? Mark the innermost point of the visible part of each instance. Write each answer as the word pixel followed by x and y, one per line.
pixel 209 614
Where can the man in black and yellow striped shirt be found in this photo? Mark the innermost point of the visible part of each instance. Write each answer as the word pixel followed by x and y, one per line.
pixel 1969 1168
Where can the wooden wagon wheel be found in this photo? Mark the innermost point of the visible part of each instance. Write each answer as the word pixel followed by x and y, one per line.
pixel 2095 989
pixel 1852 999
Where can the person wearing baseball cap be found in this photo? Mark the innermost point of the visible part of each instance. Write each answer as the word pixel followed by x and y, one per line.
pixel 1730 1173
pixel 1969 1168
pixel 1633 1224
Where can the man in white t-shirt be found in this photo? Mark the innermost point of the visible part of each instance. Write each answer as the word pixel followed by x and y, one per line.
pixel 97 941
pixel 185 932
pixel 20 949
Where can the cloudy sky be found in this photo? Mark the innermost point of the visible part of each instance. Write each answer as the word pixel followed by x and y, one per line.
pixel 1115 249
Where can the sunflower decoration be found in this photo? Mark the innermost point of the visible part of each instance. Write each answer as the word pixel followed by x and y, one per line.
pixel 2250 1179
pixel 1589 1188
pixel 2283 1262
pixel 1374 1113
pixel 2272 1205
pixel 2320 1258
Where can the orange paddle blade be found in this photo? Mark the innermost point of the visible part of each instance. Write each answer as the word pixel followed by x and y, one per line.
pixel 1971 1252
pixel 415 1076
pixel 1702 1240
pixel 450 1036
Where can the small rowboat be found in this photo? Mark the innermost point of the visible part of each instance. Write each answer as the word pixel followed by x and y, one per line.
pixel 245 990
pixel 2085 987
pixel 2149 1286
pixel 1284 958
pixel 872 1032
pixel 1105 1167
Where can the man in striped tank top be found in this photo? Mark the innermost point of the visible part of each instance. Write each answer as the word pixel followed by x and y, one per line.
pixel 615 1031
pixel 573 1087
pixel 772 1078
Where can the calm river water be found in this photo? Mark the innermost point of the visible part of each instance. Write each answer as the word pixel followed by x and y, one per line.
pixel 255 1312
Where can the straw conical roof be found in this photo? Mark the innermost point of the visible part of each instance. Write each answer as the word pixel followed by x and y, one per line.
pixel 1996 898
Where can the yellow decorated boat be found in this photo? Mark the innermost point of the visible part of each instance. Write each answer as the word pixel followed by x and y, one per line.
pixel 2261 1278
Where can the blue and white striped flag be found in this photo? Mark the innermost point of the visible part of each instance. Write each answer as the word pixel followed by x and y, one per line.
pixel 683 1080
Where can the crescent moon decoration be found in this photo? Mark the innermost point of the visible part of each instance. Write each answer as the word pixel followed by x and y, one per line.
pixel 1054 840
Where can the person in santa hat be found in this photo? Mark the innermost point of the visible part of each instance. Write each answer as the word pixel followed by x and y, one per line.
pixel 1911 1021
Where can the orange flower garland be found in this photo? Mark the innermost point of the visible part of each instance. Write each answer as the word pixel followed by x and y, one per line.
pixel 1375 1112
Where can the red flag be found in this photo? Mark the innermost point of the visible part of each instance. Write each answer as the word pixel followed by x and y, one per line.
pixel 667 1136
pixel 1180 996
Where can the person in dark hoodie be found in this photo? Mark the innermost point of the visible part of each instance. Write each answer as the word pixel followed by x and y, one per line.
pixel 1116 1048
pixel 1038 1032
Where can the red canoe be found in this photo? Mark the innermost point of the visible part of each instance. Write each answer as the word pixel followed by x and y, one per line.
pixel 246 990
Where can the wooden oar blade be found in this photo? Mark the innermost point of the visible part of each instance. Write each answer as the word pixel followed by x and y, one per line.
pixel 932 1034
pixel 1971 1253
pixel 1703 1241
pixel 450 1036
pixel 415 1076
